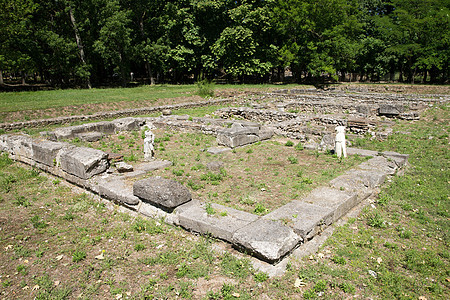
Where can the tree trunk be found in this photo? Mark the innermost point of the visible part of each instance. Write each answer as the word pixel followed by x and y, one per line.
pixel 1 78
pixel 22 74
pixel 425 74
pixel 80 46
pixel 149 73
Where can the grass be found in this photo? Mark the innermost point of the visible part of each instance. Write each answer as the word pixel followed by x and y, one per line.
pixel 25 106
pixel 396 249
pixel 256 178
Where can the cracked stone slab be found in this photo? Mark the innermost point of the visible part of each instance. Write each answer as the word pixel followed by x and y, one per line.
pixel 163 193
pixel 339 202
pixel 46 152
pixel 361 152
pixel 84 162
pixel 116 189
pixel 359 181
pixel 379 163
pixel 218 150
pixel 266 239
pixel 306 219
pixel 222 224
pixel 400 159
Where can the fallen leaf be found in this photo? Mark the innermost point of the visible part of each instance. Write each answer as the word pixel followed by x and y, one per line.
pixel 448 279
pixel 100 256
pixel 373 274
pixel 59 257
pixel 298 283
pixel 26 261
pixel 119 296
pixel 25 287
pixel 8 247
pixel 237 295
pixel 57 282
pixel 379 260
pixel 422 298
pixel 320 255
pixel 36 287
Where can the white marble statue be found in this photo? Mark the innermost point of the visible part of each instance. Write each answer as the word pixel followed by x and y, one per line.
pixel 149 150
pixel 340 148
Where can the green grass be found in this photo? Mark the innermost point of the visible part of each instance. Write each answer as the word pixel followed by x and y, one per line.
pixel 16 101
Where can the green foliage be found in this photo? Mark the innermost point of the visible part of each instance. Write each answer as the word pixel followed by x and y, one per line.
pixel 78 255
pixel 205 88
pixel 289 144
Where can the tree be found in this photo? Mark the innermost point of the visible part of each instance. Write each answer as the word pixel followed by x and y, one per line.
pixel 114 41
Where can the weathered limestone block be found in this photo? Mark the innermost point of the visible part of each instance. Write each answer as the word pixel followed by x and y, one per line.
pixel 399 159
pixel 46 152
pixel 84 162
pixel 122 167
pixel 390 109
pixel 339 202
pixel 164 193
pixel 266 239
pixel 380 163
pixel 103 126
pixel 90 136
pixel 117 190
pixel 359 181
pixel 306 219
pixel 222 224
pixel 18 145
pixel 127 124
pixel 236 141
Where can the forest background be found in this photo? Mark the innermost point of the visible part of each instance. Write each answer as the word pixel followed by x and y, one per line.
pixel 85 43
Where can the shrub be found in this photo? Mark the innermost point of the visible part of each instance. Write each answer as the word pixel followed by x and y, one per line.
pixel 205 88
pixel 289 144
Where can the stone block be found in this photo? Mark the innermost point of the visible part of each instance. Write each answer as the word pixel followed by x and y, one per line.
pixel 218 150
pixel 236 140
pixel 163 193
pixel 18 145
pixel 90 136
pixel 266 239
pixel 46 152
pixel 380 163
pixel 265 133
pixel 84 162
pixel 339 202
pixel 222 224
pixel 360 181
pixel 399 159
pixel 104 126
pixel 127 124
pixel 361 152
pixel 117 190
pixel 122 167
pixel 390 109
pixel 306 219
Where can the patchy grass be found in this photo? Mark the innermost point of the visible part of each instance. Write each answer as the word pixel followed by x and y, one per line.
pixel 407 257
pixel 256 178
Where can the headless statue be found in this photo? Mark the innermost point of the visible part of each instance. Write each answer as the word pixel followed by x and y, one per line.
pixel 340 147
pixel 149 150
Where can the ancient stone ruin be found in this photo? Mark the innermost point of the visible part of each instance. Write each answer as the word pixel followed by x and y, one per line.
pixel 310 118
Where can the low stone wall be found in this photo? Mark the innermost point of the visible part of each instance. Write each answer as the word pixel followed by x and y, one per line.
pixel 109 115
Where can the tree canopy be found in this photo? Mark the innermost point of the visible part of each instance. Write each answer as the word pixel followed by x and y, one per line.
pixel 80 43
